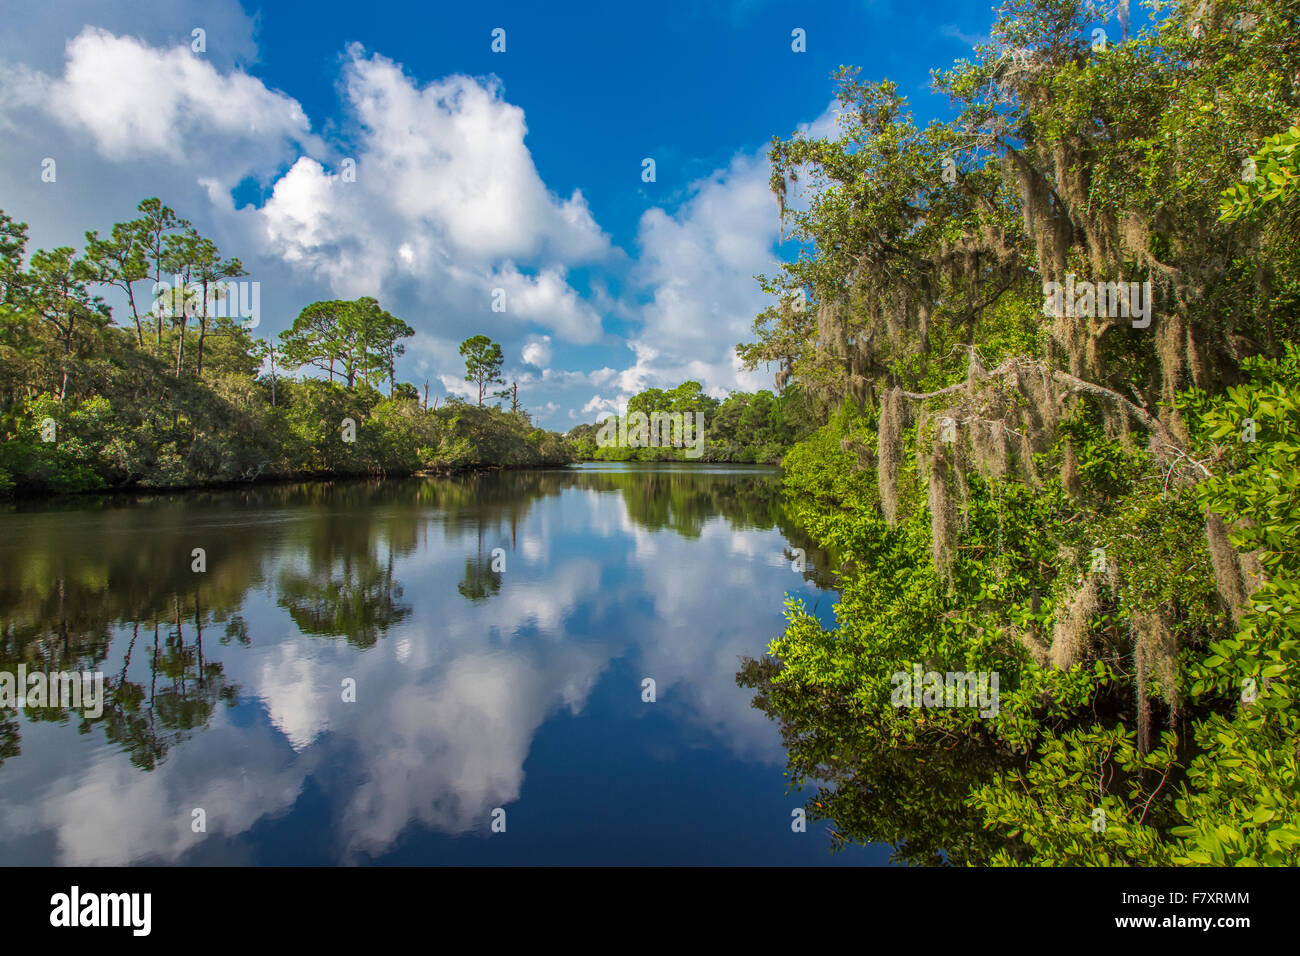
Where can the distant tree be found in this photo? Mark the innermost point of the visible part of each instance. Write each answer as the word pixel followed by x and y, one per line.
pixel 153 229
pixel 59 297
pixel 483 361
pixel 13 242
pixel 197 263
pixel 360 338
pixel 209 272
pixel 180 251
pixel 690 397
pixel 373 335
pixel 315 338
pixel 120 261
pixel 650 401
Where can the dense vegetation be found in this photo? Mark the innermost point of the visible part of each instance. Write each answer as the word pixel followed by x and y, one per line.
pixel 1103 510
pixel 744 427
pixel 176 396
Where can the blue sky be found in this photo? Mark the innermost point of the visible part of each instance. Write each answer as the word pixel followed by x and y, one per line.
pixel 475 170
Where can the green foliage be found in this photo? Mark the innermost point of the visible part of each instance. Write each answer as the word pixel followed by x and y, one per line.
pixel 1221 791
pixel 1274 176
pixel 1131 567
pixel 1242 802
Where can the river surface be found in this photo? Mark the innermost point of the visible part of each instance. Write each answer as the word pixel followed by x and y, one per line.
pixel 428 671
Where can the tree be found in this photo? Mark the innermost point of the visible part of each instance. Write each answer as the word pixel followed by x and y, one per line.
pixel 374 335
pixel 483 362
pixel 316 337
pixel 153 229
pixel 210 271
pixel 981 449
pixel 58 295
pixel 182 254
pixel 120 261
pixel 359 337
pixel 84 405
pixel 13 243
pixel 405 391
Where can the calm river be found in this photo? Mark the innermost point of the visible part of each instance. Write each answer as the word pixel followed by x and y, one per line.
pixel 431 671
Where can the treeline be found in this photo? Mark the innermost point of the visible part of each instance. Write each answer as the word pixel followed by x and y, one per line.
pixel 175 394
pixel 1095 496
pixel 744 427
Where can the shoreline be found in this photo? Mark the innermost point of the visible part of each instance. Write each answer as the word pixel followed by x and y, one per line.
pixel 264 480
pixel 273 479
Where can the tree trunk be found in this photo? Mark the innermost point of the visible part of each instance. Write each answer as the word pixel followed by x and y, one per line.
pixel 180 346
pixel 203 331
pixel 135 314
pixel 157 278
pixel 67 351
pixel 157 253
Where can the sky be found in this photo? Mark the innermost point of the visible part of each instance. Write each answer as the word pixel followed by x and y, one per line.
pixel 475 170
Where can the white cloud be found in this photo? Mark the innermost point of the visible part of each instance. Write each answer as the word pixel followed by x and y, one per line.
pixel 954 32
pixel 699 265
pixel 549 301
pixel 446 207
pixel 443 173
pixel 538 352
pixel 167 103
pixel 458 386
pixel 602 406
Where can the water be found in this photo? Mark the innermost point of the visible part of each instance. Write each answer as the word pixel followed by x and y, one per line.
pixel 478 688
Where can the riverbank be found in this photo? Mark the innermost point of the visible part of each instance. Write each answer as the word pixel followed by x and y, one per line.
pixel 264 480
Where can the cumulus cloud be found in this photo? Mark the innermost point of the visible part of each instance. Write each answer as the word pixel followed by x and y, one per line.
pixel 602 406
pixel 697 268
pixel 445 206
pixel 698 265
pixel 538 352
pixel 165 103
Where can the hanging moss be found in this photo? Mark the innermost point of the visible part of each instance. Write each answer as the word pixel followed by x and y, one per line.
pixel 859 390
pixel 1071 634
pixel 1156 651
pixel 1223 558
pixel 889 451
pixel 943 519
pixel 1252 572
pixel 1070 473
pixel 989 449
pixel 1035 643
pixel 864 458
